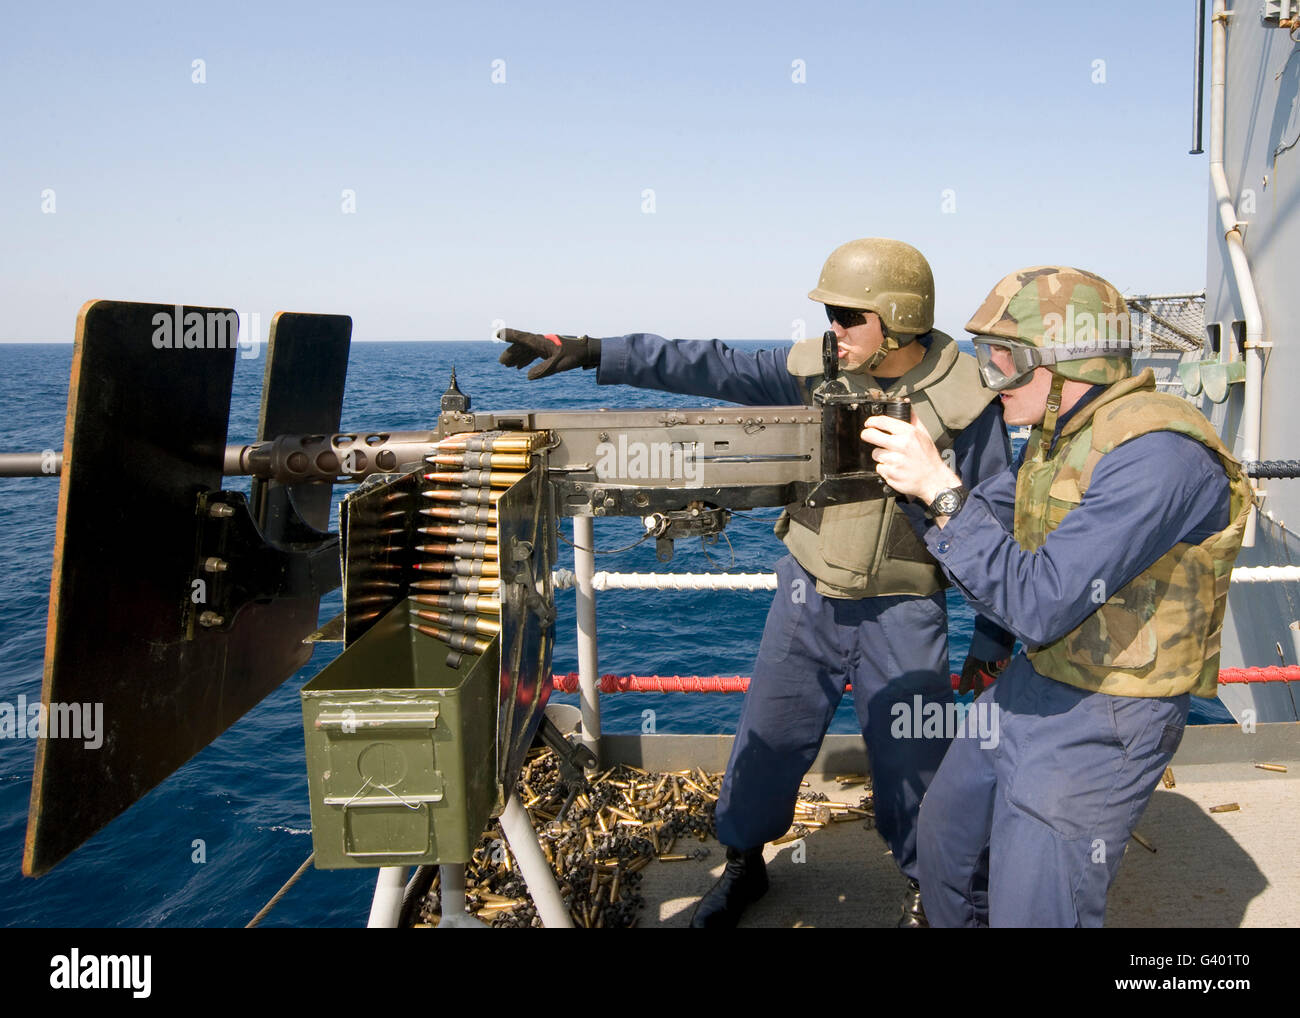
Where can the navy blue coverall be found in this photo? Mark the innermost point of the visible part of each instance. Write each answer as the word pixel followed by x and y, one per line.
pixel 1030 829
pixel 891 649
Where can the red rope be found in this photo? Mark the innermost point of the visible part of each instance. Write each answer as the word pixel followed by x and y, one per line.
pixel 1263 673
pixel 610 683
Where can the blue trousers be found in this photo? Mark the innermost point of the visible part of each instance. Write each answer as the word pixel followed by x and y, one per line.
pixel 892 649
pixel 1030 831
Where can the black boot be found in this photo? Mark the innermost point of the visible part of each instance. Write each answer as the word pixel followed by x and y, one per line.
pixel 913 917
pixel 742 883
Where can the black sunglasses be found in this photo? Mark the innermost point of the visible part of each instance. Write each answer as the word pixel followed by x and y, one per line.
pixel 845 317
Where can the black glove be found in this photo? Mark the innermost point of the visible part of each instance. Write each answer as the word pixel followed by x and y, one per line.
pixel 558 353
pixel 978 675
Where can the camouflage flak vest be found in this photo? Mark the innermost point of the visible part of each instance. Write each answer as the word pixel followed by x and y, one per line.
pixel 1159 635
pixel 868 549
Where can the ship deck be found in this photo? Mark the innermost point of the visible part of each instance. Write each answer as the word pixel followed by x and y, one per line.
pixel 1207 869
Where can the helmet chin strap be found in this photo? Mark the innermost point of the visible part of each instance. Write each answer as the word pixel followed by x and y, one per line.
pixel 887 346
pixel 1049 417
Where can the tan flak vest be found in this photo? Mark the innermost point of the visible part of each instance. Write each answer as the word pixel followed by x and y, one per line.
pixel 1159 635
pixel 869 549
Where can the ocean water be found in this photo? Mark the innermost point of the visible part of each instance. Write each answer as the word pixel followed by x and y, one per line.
pixel 245 796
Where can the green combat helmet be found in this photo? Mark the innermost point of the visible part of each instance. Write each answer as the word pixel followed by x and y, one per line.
pixel 1068 320
pixel 888 277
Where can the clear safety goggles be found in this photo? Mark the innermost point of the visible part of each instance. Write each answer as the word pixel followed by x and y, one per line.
pixel 1024 360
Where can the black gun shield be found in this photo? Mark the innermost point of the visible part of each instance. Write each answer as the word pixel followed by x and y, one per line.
pixel 145 435
pixel 302 394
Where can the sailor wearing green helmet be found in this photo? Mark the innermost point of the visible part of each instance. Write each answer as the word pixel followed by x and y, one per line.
pixel 1106 548
pixel 859 597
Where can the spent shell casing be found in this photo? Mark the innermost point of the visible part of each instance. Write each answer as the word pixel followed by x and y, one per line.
pixel 1276 768
pixel 477 478
pixel 1167 779
pixel 1142 841
pixel 458 641
pixel 475 460
pixel 466 495
pixel 461 623
pixel 460 602
pixel 462 513
pixel 1227 807
pixel 460 585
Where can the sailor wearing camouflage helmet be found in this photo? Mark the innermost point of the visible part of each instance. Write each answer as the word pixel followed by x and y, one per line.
pixel 1107 549
pixel 859 598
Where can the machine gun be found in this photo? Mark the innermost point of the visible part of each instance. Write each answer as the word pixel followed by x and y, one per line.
pixel 181 604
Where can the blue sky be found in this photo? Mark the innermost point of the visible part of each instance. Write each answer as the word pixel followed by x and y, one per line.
pixel 522 200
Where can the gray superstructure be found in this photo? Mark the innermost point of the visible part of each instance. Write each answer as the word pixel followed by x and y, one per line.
pixel 1254 93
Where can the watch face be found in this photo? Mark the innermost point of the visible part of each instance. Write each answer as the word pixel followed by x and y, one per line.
pixel 946 503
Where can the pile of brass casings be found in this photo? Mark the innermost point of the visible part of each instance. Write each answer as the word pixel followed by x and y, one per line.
pixel 613 828
pixel 814 810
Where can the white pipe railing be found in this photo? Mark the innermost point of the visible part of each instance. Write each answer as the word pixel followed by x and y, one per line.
pixel 562 579
pixel 1266 574
pixel 1252 408
pixel 767 581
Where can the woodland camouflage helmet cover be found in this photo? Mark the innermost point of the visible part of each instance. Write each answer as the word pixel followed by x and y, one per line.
pixel 888 277
pixel 1066 319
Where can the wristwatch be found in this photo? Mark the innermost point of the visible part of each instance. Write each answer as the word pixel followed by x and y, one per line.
pixel 948 501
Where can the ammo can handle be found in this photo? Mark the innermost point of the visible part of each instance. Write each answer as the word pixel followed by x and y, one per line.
pixel 351 724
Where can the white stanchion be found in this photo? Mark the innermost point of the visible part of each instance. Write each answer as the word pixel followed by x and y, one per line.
pixel 386 908
pixel 584 565
pixel 533 866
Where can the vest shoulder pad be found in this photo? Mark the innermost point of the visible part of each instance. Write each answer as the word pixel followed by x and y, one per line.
pixel 805 357
pixel 1143 412
pixel 957 392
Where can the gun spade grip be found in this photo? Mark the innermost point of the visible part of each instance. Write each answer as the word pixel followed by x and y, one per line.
pixel 830 355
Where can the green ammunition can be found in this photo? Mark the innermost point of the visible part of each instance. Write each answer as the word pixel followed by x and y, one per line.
pixel 401 749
